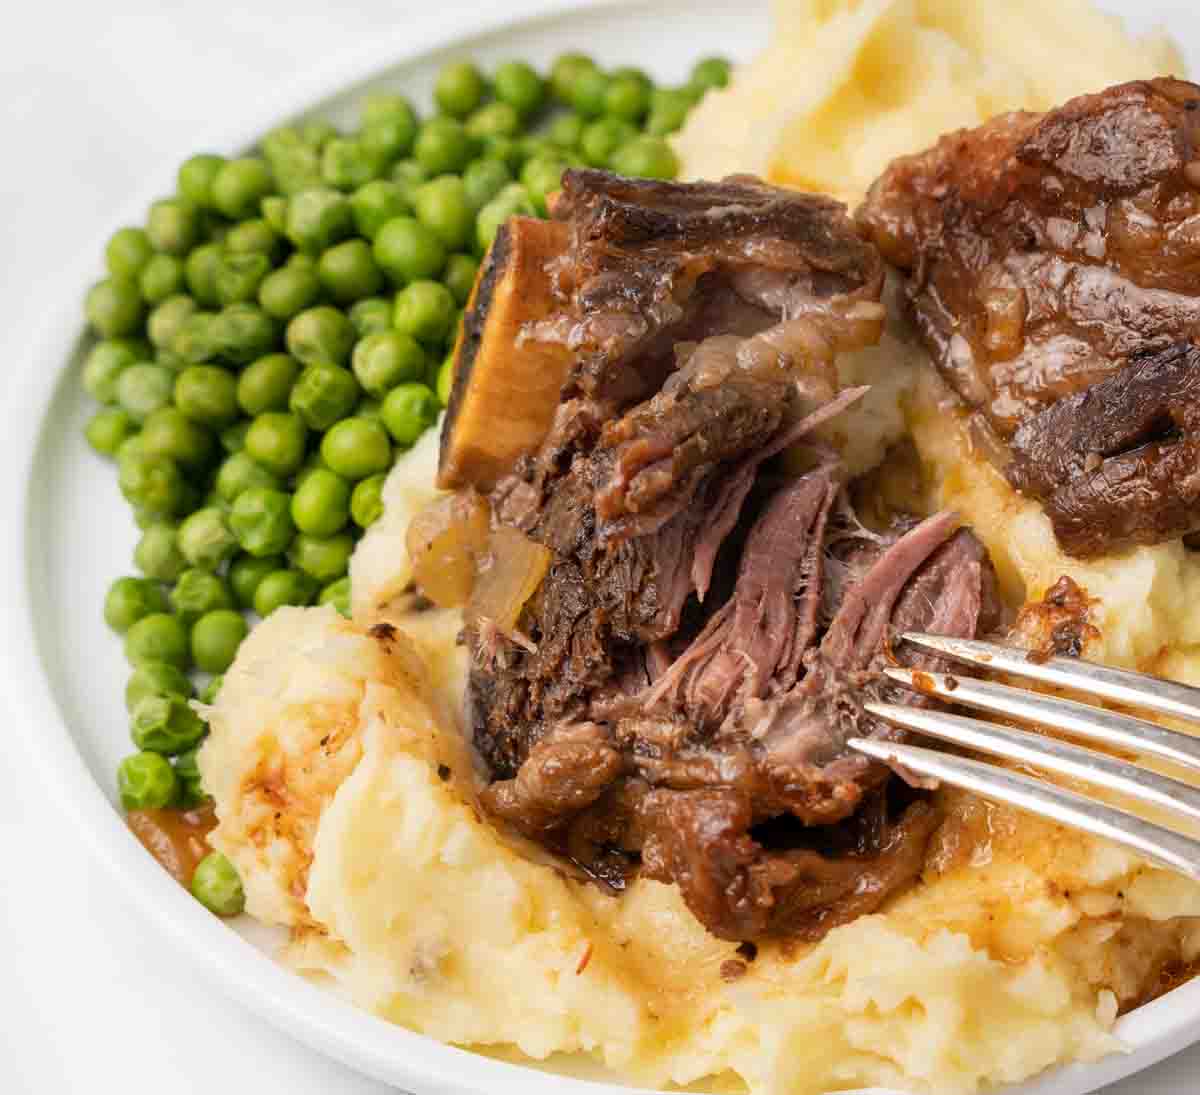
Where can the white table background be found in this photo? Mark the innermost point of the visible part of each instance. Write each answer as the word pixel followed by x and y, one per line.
pixel 92 97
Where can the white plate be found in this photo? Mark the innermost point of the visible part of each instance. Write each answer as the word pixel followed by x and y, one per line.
pixel 69 533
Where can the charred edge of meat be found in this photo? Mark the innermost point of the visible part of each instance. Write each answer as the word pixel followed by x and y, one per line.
pixel 1119 463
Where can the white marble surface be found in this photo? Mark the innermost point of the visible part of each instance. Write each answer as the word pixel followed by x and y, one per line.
pixel 92 97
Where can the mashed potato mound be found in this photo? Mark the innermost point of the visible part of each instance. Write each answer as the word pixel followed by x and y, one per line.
pixel 845 86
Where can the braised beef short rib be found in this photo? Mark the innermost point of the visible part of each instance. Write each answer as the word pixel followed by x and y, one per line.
pixel 677 694
pixel 1046 254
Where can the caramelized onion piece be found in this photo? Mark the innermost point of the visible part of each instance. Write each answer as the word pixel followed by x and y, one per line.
pixel 445 542
pixel 507 577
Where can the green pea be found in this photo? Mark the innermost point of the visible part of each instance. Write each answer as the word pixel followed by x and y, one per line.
pixel 384 106
pixel 283 587
pixel 347 163
pixel 197 591
pixel 104 364
pixel 648 157
pixel 375 203
pixel 129 599
pixel 443 207
pixel 538 147
pixel 265 384
pixel 710 72
pixel 237 277
pixel 424 310
pixel 337 594
pixel 366 501
pixel 323 394
pixel 542 176
pixel 168 319
pixel 356 447
pixel 459 88
pixel 408 411
pixel 155 486
pixel 207 394
pixel 602 138
pixel 518 84
pixel 406 250
pixel 157 554
pixel 274 211
pixel 317 132
pixel 627 99
pixel 169 434
pixel 196 178
pixel 143 388
pixel 388 139
pixel 246 572
pixel 348 271
pixel 445 379
pixel 161 277
pixel 320 334
pixel 566 130
pixel 371 316
pixel 127 252
pixel 383 360
pixel 205 539
pixel 494 120
pixel 505 150
pixel 252 237
pixel 588 94
pixel 155 679
pixel 459 277
pixel 158 638
pixel 146 781
pixel 277 441
pixel 322 558
pixel 191 333
pixel 408 175
pixel 443 145
pixel 165 725
pixel 512 201
pixel 107 428
pixel 286 292
pixel 200 270
pixel 261 520
pixel 239 472
pixel 318 218
pixel 669 109
pixel 369 408
pixel 114 307
pixel 173 225
pixel 216 637
pixel 295 163
pixel 217 887
pixel 482 181
pixel 565 73
pixel 239 185
pixel 321 504
pixel 242 332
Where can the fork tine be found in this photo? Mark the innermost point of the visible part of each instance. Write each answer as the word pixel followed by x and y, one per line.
pixel 1140 690
pixel 1172 850
pixel 1080 719
pixel 1048 753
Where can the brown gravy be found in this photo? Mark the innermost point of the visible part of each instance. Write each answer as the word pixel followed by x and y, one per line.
pixel 178 839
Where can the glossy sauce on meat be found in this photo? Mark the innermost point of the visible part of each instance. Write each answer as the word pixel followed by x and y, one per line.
pixel 178 839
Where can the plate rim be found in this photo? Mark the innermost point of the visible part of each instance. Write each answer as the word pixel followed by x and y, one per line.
pixel 265 987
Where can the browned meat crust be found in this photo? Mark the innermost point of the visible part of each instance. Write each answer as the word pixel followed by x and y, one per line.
pixel 1042 252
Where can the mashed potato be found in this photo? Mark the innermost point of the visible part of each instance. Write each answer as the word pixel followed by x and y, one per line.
pixel 847 85
pixel 345 791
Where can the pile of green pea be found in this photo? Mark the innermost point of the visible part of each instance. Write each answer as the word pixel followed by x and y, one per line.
pixel 279 330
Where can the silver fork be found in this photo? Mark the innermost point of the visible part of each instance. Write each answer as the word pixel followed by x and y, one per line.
pixel 1137 690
